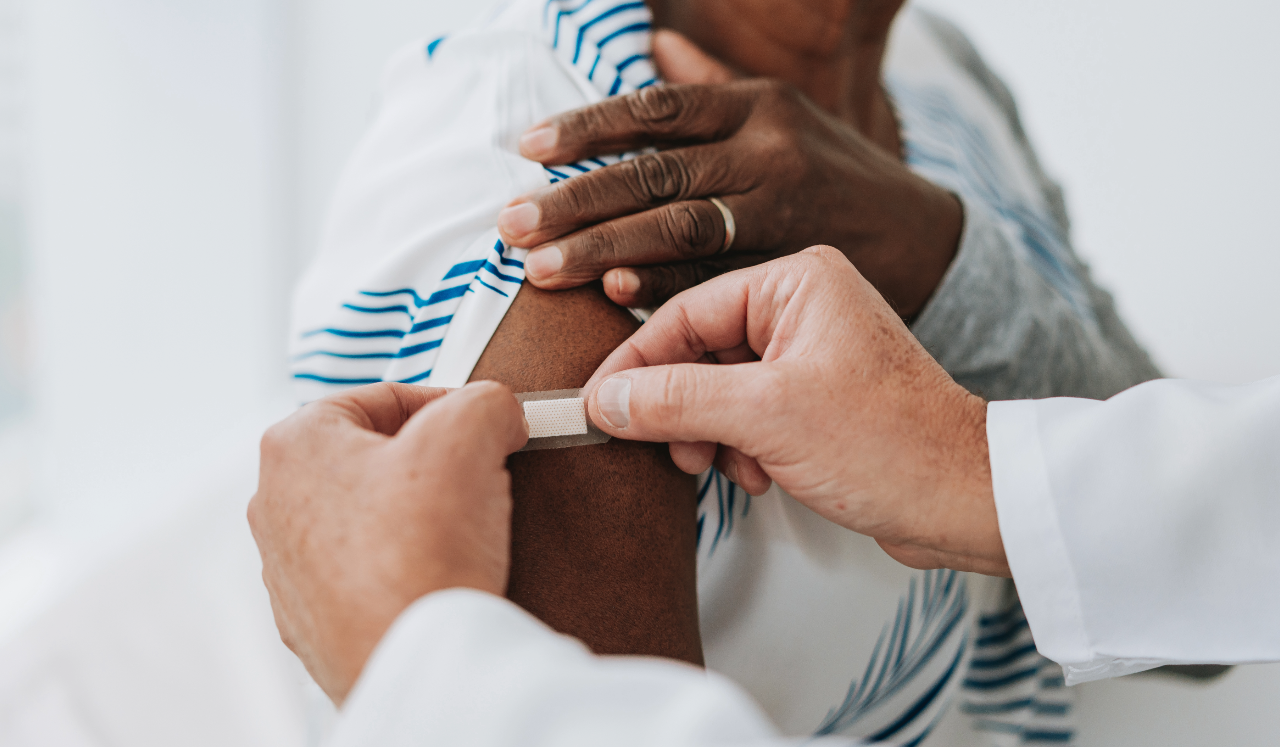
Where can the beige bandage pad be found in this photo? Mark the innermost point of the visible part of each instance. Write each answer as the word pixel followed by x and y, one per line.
pixel 558 419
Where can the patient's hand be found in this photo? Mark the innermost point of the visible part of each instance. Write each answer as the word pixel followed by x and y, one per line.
pixel 793 175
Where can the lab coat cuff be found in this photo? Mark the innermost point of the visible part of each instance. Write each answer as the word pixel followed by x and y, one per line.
pixel 417 680
pixel 1033 539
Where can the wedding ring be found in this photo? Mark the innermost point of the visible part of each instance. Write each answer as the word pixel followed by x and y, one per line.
pixel 730 227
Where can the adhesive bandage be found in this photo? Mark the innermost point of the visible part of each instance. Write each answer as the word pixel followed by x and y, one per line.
pixel 558 419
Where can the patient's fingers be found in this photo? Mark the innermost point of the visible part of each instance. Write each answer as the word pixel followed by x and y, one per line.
pixel 681 232
pixel 650 287
pixel 645 182
pixel 654 116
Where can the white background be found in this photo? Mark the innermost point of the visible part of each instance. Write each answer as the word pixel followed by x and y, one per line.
pixel 181 152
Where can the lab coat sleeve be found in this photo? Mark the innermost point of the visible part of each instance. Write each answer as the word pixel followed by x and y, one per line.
pixel 1144 530
pixel 462 667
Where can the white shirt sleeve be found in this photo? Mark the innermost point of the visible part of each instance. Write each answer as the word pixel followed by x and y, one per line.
pixel 463 667
pixel 1144 530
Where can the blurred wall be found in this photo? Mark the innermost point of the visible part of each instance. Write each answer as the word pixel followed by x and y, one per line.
pixel 1160 119
pixel 157 216
pixel 15 475
pixel 182 153
pixel 342 47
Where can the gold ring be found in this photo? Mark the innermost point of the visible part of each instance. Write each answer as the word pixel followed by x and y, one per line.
pixel 730 226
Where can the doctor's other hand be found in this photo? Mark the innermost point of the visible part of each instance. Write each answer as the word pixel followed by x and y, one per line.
pixel 370 499
pixel 798 372
pixel 792 174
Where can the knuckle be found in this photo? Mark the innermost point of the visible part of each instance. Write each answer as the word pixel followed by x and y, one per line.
pixel 823 255
pixel 602 246
pixel 659 178
pixel 275 442
pixel 254 513
pixel 777 92
pixel 289 640
pixel 688 230
pixel 664 282
pixel 776 147
pixel 579 127
pixel 656 106
pixel 571 200
pixel 675 390
pixel 660 284
pixel 701 272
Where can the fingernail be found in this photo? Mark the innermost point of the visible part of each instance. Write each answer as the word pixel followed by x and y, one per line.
pixel 543 263
pixel 526 426
pixel 537 143
pixel 518 220
pixel 627 282
pixel 614 400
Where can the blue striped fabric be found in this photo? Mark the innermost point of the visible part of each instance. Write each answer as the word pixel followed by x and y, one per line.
pixel 942 145
pixel 1015 695
pixel 727 495
pixel 608 42
pixel 396 334
pixel 605 40
pixel 926 643
pixel 929 649
pixel 399 340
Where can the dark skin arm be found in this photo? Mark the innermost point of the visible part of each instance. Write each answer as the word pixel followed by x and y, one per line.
pixel 603 537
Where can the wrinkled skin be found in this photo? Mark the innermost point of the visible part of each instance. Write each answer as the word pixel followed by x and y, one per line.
pixel 821 388
pixel 788 124
pixel 370 499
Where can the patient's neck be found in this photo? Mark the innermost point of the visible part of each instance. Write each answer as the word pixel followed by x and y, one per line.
pixel 830 49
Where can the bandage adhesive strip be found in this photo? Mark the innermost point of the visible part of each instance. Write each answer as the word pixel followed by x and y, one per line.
pixel 558 419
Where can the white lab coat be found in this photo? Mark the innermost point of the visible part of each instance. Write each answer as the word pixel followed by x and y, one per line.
pixel 1144 530
pixel 1141 531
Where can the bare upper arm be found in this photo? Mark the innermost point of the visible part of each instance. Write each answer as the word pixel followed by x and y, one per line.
pixel 603 537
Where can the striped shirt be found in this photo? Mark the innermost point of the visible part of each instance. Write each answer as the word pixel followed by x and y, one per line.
pixel 828 633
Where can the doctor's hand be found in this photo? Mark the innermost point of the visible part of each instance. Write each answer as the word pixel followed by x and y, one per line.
pixel 791 174
pixel 798 372
pixel 370 499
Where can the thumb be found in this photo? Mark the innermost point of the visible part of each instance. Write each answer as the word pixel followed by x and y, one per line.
pixel 480 420
pixel 687 402
pixel 681 61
